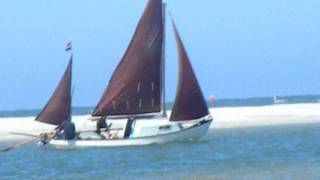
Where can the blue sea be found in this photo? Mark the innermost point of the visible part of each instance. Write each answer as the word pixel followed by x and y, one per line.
pixel 272 152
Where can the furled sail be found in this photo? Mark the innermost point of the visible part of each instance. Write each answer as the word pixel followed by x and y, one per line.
pixel 189 103
pixel 135 86
pixel 58 108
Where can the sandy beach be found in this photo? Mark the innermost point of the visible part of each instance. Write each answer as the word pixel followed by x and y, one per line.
pixel 224 117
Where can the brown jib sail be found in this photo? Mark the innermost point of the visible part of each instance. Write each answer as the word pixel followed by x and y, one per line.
pixel 58 108
pixel 189 103
pixel 135 86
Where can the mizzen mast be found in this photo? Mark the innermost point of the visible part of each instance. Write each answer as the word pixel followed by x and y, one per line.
pixel 163 62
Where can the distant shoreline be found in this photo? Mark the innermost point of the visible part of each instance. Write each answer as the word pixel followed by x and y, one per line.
pixel 228 102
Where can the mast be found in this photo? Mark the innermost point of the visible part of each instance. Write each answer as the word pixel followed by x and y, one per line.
pixel 68 48
pixel 163 62
pixel 71 86
pixel 72 90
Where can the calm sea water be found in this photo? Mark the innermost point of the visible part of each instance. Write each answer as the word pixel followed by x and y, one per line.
pixel 275 152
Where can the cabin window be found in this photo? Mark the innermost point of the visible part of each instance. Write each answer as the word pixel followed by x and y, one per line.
pixel 166 127
pixel 114 104
pixel 140 103
pixel 138 87
pixel 152 86
pixel 128 105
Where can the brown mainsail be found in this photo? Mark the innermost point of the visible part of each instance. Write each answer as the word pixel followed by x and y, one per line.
pixel 58 108
pixel 135 86
pixel 189 103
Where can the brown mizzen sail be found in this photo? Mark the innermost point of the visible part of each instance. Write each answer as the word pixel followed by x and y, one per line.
pixel 189 103
pixel 58 108
pixel 135 86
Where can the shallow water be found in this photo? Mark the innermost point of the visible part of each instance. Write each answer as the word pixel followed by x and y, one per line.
pixel 281 152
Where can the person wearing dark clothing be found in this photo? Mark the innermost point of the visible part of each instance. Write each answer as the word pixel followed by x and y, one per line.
pixel 102 124
pixel 67 130
pixel 128 129
pixel 103 129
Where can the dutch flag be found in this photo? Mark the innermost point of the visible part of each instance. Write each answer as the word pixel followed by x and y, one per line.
pixel 69 46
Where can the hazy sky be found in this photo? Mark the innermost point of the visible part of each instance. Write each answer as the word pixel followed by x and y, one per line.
pixel 239 48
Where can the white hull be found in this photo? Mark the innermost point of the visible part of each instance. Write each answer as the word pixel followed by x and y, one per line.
pixel 190 133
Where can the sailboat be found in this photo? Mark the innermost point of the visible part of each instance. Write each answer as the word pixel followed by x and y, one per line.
pixel 276 100
pixel 133 102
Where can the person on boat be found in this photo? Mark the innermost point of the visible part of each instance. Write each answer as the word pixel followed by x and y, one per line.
pixel 102 125
pixel 66 130
pixel 44 137
pixel 128 129
pixel 103 129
